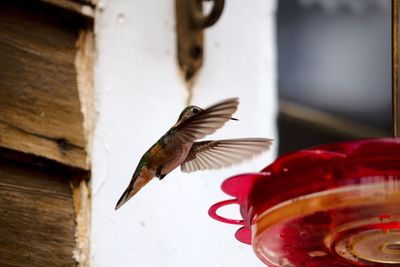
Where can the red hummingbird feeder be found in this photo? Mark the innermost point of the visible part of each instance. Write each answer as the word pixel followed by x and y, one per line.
pixel 335 205
pixel 332 205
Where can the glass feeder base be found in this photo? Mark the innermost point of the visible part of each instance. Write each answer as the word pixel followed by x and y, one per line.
pixel 356 225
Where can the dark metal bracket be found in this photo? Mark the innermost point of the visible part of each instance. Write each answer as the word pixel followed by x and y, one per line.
pixel 395 69
pixel 190 25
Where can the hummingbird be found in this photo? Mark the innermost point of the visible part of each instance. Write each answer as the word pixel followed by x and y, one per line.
pixel 178 147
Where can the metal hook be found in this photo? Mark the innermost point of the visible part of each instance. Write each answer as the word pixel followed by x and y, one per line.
pixel 190 25
pixel 201 21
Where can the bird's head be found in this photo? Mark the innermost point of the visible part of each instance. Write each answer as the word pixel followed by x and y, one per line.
pixel 189 112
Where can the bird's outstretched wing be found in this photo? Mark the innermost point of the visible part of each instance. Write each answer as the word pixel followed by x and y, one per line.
pixel 222 153
pixel 206 121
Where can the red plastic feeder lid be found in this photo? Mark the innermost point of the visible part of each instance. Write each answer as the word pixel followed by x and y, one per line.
pixel 332 205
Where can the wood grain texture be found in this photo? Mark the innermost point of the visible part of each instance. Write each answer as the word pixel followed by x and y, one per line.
pixel 82 7
pixel 81 199
pixel 40 109
pixel 84 61
pixel 37 216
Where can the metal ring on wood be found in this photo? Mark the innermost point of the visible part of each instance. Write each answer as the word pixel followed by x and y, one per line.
pixel 201 21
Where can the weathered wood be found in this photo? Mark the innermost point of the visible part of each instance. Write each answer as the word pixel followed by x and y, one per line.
pixel 81 199
pixel 82 7
pixel 84 66
pixel 40 105
pixel 37 216
pixel 46 112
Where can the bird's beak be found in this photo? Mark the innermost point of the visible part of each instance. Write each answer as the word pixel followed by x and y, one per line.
pixel 234 119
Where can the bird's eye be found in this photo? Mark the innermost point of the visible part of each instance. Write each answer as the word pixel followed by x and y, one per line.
pixel 195 110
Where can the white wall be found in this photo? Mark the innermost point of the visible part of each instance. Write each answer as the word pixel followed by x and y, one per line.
pixel 139 95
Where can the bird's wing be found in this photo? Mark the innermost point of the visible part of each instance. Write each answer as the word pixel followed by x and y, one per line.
pixel 206 121
pixel 222 153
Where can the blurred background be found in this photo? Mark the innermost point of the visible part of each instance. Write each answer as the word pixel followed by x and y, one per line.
pixel 87 86
pixel 334 71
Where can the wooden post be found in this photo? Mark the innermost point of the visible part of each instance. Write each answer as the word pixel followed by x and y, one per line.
pixel 46 123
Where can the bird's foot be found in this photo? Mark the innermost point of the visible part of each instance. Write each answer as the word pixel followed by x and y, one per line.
pixel 158 172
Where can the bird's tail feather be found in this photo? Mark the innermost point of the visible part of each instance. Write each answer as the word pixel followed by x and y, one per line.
pixel 125 196
pixel 134 186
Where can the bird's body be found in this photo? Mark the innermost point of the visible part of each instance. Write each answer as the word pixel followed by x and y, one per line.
pixel 177 147
pixel 168 153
